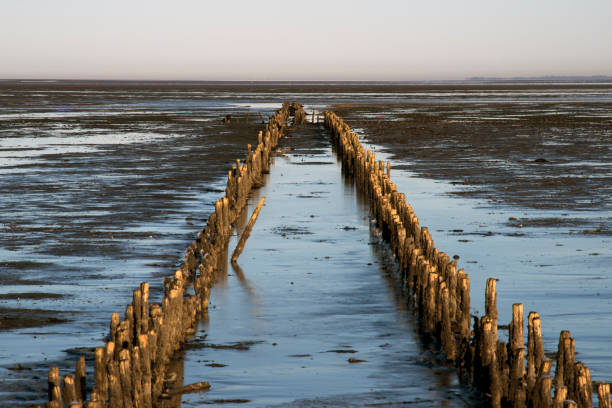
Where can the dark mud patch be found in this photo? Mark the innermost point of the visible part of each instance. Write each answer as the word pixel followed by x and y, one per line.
pixel 353 360
pixel 11 319
pixel 88 352
pixel 342 351
pixel 226 401
pixel 410 403
pixel 597 231
pixel 285 230
pixel 30 296
pixel 24 265
pixel 524 155
pixel 311 163
pixel 216 365
pixel 556 222
pixel 240 345
pixel 7 281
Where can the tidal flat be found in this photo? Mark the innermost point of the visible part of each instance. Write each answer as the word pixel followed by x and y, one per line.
pixel 105 184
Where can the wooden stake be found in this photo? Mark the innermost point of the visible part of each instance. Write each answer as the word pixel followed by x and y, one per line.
pixel 70 395
pixel 247 231
pixel 491 299
pixel 603 395
pixel 535 350
pixel 583 393
pixel 55 391
pixel 114 385
pixel 560 397
pixel 100 375
pixel 80 380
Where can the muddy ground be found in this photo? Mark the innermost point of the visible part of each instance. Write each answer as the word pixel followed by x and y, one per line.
pixel 104 184
pixel 539 155
pixel 100 191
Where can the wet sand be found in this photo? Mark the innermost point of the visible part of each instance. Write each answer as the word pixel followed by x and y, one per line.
pixel 106 184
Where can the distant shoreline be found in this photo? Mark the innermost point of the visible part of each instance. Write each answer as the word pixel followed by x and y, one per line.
pixel 540 80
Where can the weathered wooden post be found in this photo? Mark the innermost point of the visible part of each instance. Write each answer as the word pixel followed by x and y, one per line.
pixel 55 391
pixel 100 375
pixel 70 395
pixel 80 380
pixel 535 349
pixel 603 395
pixel 560 397
pixel 517 391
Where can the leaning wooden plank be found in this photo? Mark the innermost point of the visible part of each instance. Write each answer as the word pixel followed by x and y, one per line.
pixel 247 231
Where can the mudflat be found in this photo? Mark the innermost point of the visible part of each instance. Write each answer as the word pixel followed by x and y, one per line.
pixel 105 183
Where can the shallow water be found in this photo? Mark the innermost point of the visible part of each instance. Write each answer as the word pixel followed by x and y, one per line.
pixel 104 186
pixel 314 290
pixel 558 271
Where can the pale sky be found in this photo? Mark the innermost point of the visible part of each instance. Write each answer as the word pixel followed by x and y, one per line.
pixel 303 40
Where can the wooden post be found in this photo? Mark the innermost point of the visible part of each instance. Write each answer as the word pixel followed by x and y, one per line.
pixel 491 299
pixel 583 393
pixel 80 380
pixel 535 350
pixel 564 373
pixel 113 326
pixel 55 391
pixel 543 398
pixel 448 339
pixel 136 377
pixel 114 385
pixel 603 395
pixel 70 395
pixel 145 360
pixel 489 360
pixel 517 392
pixel 100 374
pixel 560 397
pixel 247 231
pixel 144 312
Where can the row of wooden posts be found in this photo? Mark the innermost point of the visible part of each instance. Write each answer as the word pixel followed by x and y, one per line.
pixel 508 374
pixel 131 369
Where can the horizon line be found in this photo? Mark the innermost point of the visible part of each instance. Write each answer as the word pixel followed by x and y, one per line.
pixel 595 78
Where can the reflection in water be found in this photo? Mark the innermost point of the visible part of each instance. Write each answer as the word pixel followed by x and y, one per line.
pixel 301 296
pixel 248 288
pixel 175 376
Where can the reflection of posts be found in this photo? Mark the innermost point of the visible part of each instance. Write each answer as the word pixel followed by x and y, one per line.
pixel 247 231
pixel 441 296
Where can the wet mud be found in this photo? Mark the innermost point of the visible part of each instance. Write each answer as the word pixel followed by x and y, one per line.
pixel 101 190
pixel 326 321
pixel 539 155
pixel 519 190
pixel 104 185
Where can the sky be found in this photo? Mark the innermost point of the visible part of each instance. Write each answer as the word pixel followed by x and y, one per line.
pixel 303 40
